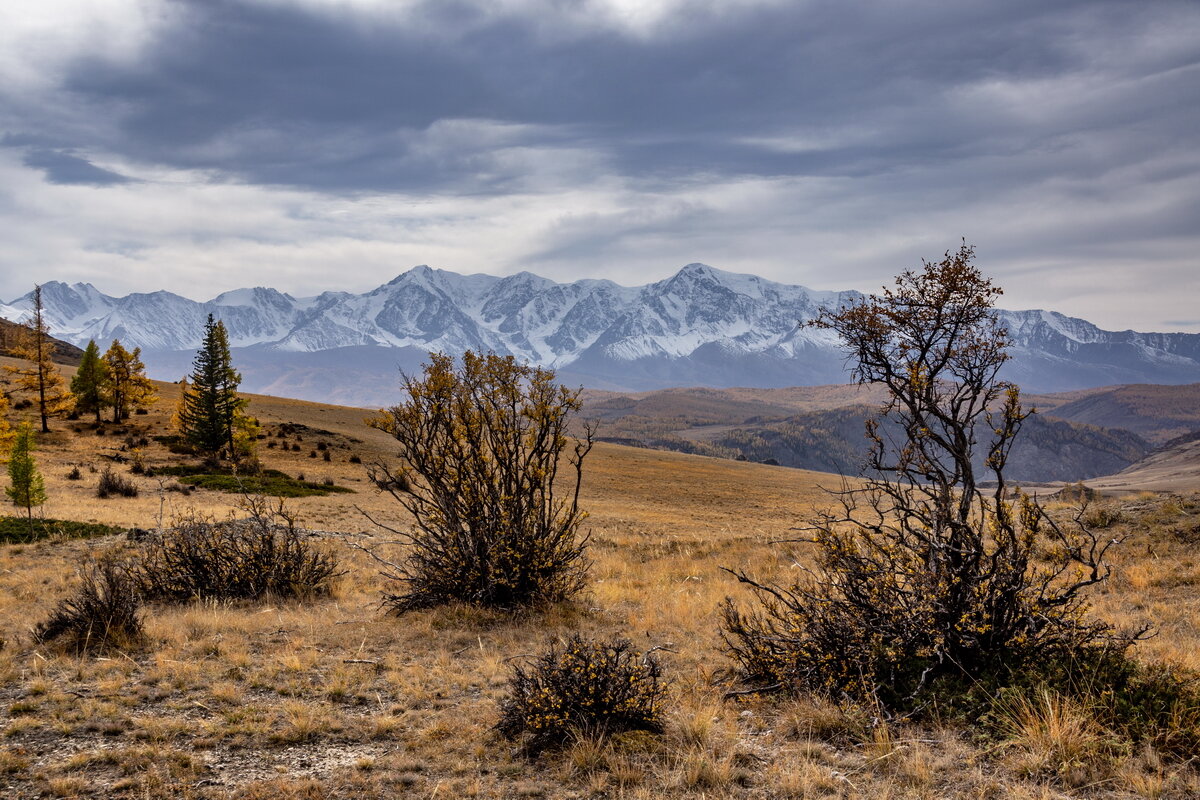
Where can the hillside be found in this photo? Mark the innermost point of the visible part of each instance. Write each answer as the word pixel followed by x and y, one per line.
pixel 1175 467
pixel 821 428
pixel 64 352
pixel 634 475
pixel 1157 413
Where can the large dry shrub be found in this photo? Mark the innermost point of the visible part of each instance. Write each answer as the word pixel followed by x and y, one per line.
pixel 263 554
pixel 924 579
pixel 103 614
pixel 584 686
pixel 480 446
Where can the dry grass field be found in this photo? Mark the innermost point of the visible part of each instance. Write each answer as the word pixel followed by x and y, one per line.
pixel 334 699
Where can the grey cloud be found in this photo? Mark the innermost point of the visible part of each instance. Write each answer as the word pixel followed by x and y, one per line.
pixel 62 167
pixel 282 95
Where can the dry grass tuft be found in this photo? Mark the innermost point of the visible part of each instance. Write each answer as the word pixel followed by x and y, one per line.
pixel 1053 735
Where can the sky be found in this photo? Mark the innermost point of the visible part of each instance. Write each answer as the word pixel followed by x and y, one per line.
pixel 203 145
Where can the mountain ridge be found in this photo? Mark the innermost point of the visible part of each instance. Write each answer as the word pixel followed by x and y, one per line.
pixel 701 326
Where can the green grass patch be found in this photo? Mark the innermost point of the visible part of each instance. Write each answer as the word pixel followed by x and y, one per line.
pixel 15 530
pixel 269 481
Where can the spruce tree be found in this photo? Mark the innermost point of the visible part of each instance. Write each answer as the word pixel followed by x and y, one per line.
pixel 43 376
pixel 126 386
pixel 89 380
pixel 210 406
pixel 28 489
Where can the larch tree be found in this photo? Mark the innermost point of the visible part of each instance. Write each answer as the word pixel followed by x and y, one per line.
pixel 126 386
pixel 210 408
pixel 6 431
pixel 88 383
pixel 27 488
pixel 42 377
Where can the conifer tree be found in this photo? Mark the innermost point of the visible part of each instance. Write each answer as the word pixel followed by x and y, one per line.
pixel 27 489
pixel 89 380
pixel 210 406
pixel 43 376
pixel 126 386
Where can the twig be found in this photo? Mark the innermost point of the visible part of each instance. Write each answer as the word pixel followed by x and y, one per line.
pixel 757 690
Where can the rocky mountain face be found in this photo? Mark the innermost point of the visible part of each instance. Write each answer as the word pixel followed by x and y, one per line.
pixel 700 327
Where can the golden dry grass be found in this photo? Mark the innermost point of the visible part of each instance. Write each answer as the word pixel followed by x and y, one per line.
pixel 333 699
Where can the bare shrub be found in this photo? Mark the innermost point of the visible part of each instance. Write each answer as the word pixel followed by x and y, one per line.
pixel 481 448
pixel 236 559
pixel 103 614
pixel 111 484
pixel 583 687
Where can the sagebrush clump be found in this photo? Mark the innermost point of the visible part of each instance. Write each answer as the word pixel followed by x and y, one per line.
pixel 104 613
pixel 262 555
pixel 582 687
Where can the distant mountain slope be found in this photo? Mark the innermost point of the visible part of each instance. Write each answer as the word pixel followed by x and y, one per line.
pixel 822 428
pixel 64 352
pixel 1158 413
pixel 1173 468
pixel 699 327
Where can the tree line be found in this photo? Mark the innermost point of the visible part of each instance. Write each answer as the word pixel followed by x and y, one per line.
pixel 210 417
pixel 113 380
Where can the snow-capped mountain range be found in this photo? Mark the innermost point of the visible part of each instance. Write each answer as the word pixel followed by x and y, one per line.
pixel 701 326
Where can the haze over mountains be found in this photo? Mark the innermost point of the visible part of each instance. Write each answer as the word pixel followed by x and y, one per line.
pixel 700 327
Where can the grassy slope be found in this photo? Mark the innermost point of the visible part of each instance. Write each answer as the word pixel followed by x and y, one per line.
pixel 335 700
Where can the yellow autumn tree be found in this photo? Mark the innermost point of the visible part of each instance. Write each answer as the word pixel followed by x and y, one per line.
pixel 181 405
pixel 41 376
pixel 6 432
pixel 126 386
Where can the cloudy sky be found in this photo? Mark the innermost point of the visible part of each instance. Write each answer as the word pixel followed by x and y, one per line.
pixel 331 144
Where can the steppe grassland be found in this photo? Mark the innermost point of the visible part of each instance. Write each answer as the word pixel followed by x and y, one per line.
pixel 334 699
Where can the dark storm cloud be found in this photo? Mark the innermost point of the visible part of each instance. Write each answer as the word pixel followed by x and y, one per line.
pixel 65 168
pixel 286 95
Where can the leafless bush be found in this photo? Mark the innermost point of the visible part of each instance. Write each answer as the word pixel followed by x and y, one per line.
pixel 103 614
pixel 236 559
pixel 111 484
